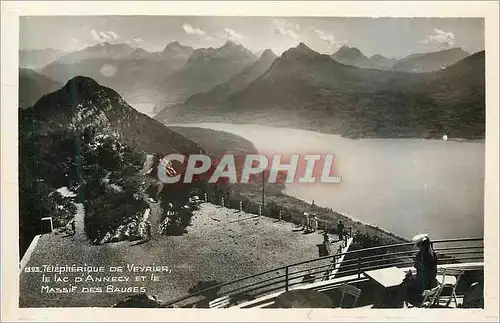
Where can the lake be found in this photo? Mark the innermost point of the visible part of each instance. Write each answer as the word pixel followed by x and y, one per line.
pixel 405 186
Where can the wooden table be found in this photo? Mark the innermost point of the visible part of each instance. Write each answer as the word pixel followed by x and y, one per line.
pixel 303 298
pixel 389 279
pixel 386 277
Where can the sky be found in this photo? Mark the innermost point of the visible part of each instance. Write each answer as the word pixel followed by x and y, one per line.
pixel 390 37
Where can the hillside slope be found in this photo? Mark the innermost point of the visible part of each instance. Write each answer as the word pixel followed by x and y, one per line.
pixel 87 138
pixel 237 82
pixel 32 86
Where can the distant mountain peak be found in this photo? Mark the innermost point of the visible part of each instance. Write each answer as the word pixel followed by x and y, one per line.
pixel 301 49
pixel 346 50
pixel 81 85
pixel 107 45
pixel 82 80
pixel 303 46
pixel 176 46
pixel 352 56
pixel 230 43
pixel 268 54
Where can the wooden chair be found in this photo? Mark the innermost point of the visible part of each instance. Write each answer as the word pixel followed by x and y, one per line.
pixel 449 279
pixel 429 298
pixel 352 291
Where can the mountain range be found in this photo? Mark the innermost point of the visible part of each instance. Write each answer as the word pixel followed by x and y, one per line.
pixel 429 62
pixel 414 63
pixel 133 72
pixel 38 58
pixel 346 92
pixel 205 69
pixel 306 89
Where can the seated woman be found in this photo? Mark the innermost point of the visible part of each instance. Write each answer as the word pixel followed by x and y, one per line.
pixel 426 266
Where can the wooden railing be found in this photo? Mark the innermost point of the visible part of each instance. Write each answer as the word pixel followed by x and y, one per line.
pixel 450 251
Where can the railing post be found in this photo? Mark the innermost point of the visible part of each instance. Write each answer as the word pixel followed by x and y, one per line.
pixel 286 279
pixel 359 265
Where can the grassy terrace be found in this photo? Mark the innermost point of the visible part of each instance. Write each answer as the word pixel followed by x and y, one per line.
pixel 220 245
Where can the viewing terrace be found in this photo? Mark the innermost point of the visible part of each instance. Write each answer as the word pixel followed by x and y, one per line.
pixel 365 278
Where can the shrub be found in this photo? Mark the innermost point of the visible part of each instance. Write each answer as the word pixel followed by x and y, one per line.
pixel 106 213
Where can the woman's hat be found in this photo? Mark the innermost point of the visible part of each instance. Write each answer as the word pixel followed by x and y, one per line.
pixel 420 237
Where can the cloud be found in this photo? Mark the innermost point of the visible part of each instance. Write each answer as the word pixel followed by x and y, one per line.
pixel 285 29
pixel 329 38
pixel 188 29
pixel 113 35
pixel 103 36
pixel 95 35
pixel 232 34
pixel 134 41
pixel 440 37
pixel 108 70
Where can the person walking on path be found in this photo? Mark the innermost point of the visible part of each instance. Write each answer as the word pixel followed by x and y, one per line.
pixel 340 230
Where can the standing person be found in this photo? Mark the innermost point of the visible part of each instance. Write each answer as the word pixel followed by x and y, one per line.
pixel 326 239
pixel 426 266
pixel 73 227
pixel 304 220
pixel 340 230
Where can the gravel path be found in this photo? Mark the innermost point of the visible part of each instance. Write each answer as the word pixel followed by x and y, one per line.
pixel 79 223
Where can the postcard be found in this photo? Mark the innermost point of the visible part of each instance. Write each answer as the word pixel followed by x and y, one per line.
pixel 249 161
